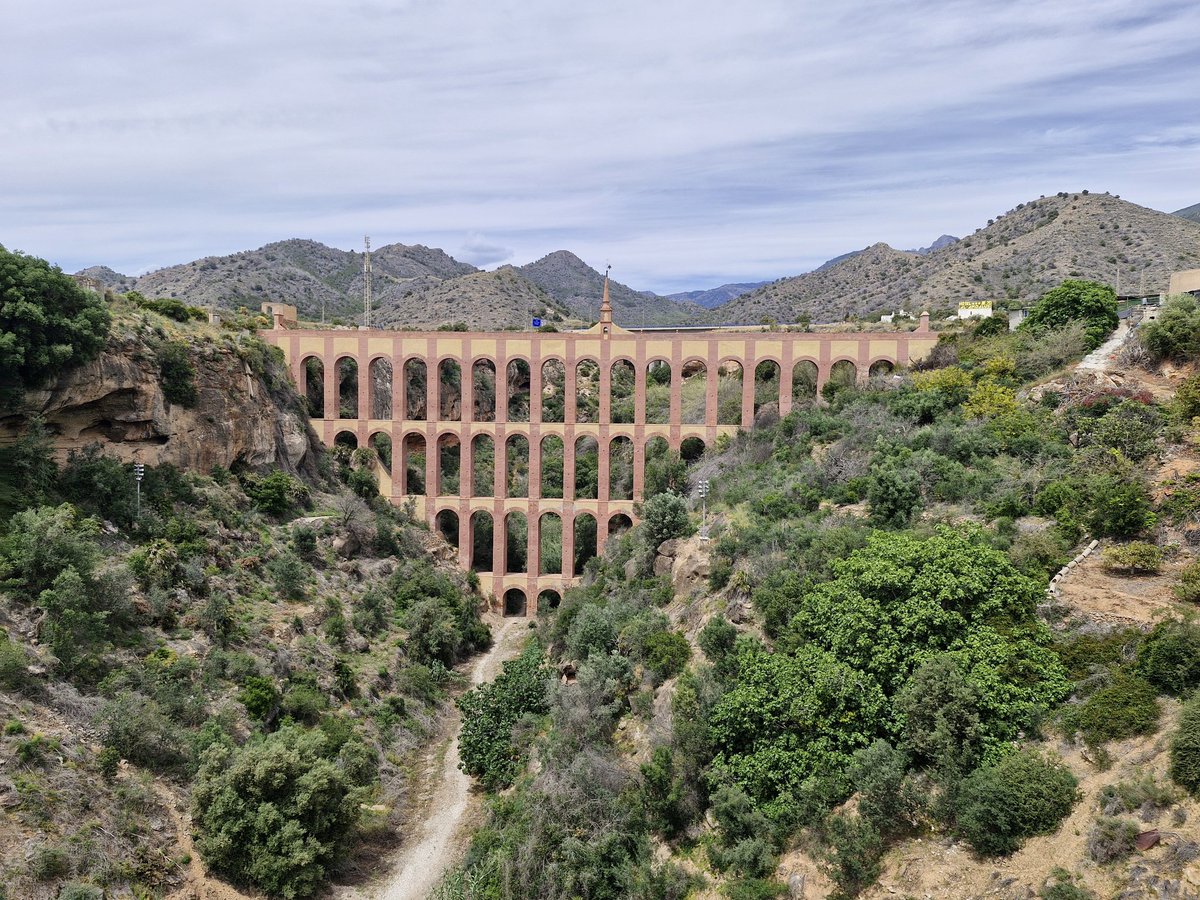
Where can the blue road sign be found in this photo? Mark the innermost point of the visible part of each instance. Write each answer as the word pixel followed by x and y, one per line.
pixel 537 323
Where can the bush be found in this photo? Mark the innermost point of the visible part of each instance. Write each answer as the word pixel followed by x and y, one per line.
pixel 47 322
pixel 1022 795
pixel 1063 887
pixel 853 850
pixel 176 373
pixel 1126 706
pixel 666 653
pixel 79 891
pixel 1188 587
pixel 1111 839
pixel 664 516
pixel 275 493
pixel 1121 508
pixel 1134 558
pixel 1185 748
pixel 48 863
pixel 260 697
pixel 1169 657
pixel 490 711
pixel 14 672
pixel 1091 302
pixel 275 813
pixel 1175 334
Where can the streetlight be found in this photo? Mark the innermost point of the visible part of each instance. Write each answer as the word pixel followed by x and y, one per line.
pixel 139 470
pixel 702 490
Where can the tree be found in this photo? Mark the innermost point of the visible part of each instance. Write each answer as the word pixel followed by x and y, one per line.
pixel 1175 334
pixel 274 813
pixel 47 322
pixel 1076 300
pixel 1022 795
pixel 664 516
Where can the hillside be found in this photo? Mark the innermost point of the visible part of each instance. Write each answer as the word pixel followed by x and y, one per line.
pixel 495 300
pixel 1015 258
pixel 571 281
pixel 1191 213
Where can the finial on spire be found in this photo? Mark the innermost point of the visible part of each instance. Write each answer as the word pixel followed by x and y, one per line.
pixel 606 305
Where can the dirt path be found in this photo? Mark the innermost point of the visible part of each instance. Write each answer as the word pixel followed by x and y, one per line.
pixel 452 804
pixel 1104 357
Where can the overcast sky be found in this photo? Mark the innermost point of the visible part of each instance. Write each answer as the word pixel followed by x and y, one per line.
pixel 687 143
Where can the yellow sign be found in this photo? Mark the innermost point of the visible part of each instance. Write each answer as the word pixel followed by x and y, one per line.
pixel 976 304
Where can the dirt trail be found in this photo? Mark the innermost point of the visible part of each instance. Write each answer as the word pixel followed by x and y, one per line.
pixel 452 805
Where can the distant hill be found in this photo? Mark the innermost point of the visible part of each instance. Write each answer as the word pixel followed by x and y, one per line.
pixel 714 297
pixel 944 241
pixel 1189 212
pixel 1017 258
pixel 571 281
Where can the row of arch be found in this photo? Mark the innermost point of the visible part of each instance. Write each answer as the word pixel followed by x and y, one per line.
pixel 411 400
pixel 409 469
pixel 516 604
pixel 546 551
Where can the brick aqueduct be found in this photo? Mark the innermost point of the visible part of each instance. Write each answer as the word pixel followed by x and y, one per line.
pixel 518 423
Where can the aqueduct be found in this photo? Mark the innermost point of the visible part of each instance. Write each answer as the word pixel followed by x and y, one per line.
pixel 558 428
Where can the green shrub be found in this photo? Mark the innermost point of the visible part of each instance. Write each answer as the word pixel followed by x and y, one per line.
pixel 1111 839
pixel 1126 706
pixel 664 516
pixel 1063 887
pixel 490 711
pixel 752 889
pixel 176 373
pixel 1134 558
pixel 14 672
pixel 1188 586
pixel 48 863
pixel 1169 657
pixel 275 813
pixel 1185 748
pixel 853 849
pixel 289 574
pixel 1141 795
pixel 1022 795
pixel 1090 302
pixel 260 697
pixel 137 729
pixel 666 653
pixel 275 493
pixel 79 891
pixel 1175 334
pixel 1120 508
pixel 893 492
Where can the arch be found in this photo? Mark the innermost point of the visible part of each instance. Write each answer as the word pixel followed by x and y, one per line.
pixel 587 468
pixel 620 468
pixel 517 390
pixel 516 542
pixel 618 524
pixel 553 461
pixel 347 376
pixel 622 379
pixel 449 464
pixel 587 391
pixel 516 466
pixel 483 391
pixel 658 392
pixel 843 375
pixel 693 390
pixel 881 369
pixel 379 388
pixel 416 393
pixel 663 469
pixel 804 381
pixel 550 544
pixel 548 599
pixel 514 603
pixel 481 541
pixel 314 386
pixel 446 523
pixel 483 466
pixel 449 390
pixel 554 390
pixel 729 393
pixel 412 462
pixel 766 387
pixel 585 541
pixel 381 443
pixel 691 449
pixel 346 439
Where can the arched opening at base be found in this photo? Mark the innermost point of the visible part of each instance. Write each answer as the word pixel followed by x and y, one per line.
pixel 514 602
pixel 548 600
pixel 447 526
pixel 618 524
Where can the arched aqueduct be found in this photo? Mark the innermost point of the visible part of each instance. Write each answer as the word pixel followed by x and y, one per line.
pixel 543 439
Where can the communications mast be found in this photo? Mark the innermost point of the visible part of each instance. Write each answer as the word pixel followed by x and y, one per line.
pixel 366 281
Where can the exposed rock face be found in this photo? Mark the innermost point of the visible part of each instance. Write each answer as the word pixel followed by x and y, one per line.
pixel 117 402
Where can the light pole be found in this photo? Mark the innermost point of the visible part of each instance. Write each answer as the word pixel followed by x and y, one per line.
pixel 139 470
pixel 702 490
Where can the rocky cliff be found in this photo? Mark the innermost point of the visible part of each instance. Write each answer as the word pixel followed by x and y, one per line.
pixel 245 412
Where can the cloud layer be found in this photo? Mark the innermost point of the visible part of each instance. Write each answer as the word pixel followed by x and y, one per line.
pixel 689 143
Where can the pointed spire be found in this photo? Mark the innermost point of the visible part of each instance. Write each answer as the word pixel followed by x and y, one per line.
pixel 606 306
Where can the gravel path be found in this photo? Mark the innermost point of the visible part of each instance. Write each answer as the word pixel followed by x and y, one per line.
pixel 1104 357
pixel 443 836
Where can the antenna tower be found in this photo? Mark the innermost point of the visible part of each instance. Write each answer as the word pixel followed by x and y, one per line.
pixel 367 281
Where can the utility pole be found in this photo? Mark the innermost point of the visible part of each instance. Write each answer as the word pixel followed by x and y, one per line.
pixel 366 281
pixel 139 470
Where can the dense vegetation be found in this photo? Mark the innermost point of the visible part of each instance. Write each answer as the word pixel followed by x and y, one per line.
pixel 894 546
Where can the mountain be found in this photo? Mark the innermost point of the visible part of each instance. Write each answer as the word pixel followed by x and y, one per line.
pixel 1191 213
pixel 486 300
pixel 1017 258
pixel 108 278
pixel 944 241
pixel 571 281
pixel 714 297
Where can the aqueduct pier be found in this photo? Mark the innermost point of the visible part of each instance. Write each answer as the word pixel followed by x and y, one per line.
pixel 601 399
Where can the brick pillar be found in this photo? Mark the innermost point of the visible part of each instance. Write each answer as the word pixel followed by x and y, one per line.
pixel 639 386
pixel 398 410
pixel 464 536
pixel 605 416
pixel 331 383
pixel 364 380
pixel 535 380
pixel 639 465
pixel 748 365
pixel 432 462
pixel 466 462
pixel 535 461
pixel 712 379
pixel 500 451
pixel 601 529
pixel 467 388
pixel 501 383
pixel 823 366
pixel 785 378
pixel 433 379
pixel 604 486
pixel 499 542
pixel 568 541
pixel 533 549
pixel 569 462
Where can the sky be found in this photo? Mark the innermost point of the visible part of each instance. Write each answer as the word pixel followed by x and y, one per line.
pixel 688 144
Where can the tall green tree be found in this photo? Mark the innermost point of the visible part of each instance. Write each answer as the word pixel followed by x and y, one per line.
pixel 47 322
pixel 1090 302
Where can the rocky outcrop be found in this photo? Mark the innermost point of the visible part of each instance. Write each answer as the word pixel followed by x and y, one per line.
pixel 116 401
